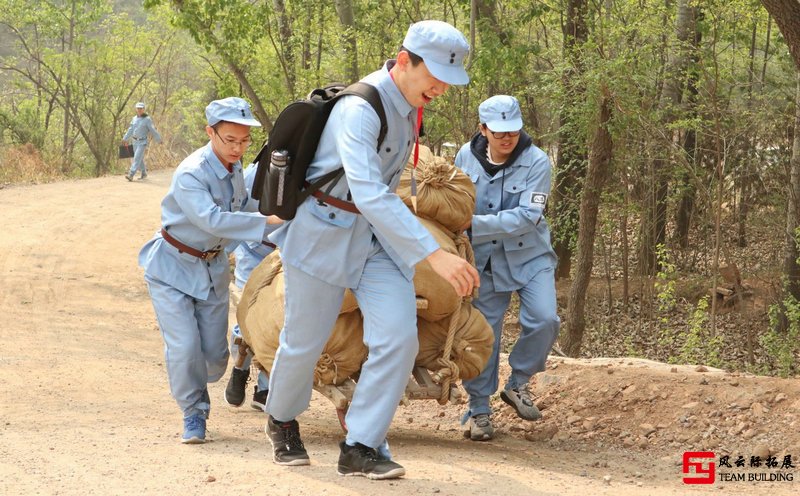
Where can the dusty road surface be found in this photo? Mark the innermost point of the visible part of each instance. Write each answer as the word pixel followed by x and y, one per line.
pixel 85 407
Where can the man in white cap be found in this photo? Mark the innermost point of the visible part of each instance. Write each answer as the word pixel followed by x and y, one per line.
pixel 360 235
pixel 205 208
pixel 138 133
pixel 512 248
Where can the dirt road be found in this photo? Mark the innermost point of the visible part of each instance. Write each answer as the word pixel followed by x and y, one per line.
pixel 85 406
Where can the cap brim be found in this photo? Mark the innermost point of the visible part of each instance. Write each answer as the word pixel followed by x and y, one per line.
pixel 504 126
pixel 242 121
pixel 447 73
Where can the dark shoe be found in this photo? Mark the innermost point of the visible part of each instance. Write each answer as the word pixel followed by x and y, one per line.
pixel 144 176
pixel 480 428
pixel 129 177
pixel 521 400
pixel 363 460
pixel 259 398
pixel 234 391
pixel 287 447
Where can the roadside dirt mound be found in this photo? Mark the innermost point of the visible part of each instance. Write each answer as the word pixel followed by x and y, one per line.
pixel 647 406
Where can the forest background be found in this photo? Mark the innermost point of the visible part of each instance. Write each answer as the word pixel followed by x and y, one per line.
pixel 670 124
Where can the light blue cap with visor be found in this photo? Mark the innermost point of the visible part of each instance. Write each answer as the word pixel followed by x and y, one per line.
pixel 231 109
pixel 501 113
pixel 442 47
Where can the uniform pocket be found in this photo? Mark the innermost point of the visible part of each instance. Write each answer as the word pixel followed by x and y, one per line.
pixel 523 242
pixel 332 215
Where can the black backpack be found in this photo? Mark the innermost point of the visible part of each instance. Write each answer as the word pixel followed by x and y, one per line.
pixel 297 131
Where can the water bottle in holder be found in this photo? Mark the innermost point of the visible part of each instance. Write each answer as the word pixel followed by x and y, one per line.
pixel 278 168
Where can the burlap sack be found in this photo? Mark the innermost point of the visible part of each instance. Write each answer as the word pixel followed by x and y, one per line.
pixel 260 315
pixel 345 351
pixel 444 193
pixel 442 297
pixel 472 342
pixel 349 303
pixel 260 312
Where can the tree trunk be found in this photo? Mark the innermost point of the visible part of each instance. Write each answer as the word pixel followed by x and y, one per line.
pixel 791 270
pixel 599 164
pixel 571 160
pixel 66 142
pixel 746 153
pixel 206 32
pixel 654 222
pixel 344 8
pixel 287 50
pixel 490 26
pixel 787 16
pixel 688 180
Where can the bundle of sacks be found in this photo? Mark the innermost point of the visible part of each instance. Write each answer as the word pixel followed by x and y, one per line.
pixel 445 202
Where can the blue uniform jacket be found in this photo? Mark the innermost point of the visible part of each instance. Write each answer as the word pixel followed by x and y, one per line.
pixel 509 225
pixel 140 129
pixel 197 212
pixel 332 244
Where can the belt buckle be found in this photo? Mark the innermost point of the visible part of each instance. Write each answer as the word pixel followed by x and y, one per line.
pixel 211 254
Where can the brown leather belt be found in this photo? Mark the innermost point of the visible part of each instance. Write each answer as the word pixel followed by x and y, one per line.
pixel 202 255
pixel 334 202
pixel 271 245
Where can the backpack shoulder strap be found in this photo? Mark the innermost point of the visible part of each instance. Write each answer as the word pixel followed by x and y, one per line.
pixel 371 95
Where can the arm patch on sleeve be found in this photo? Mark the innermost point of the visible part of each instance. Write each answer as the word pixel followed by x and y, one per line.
pixel 538 199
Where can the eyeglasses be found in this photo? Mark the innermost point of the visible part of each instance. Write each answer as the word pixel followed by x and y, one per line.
pixel 244 143
pixel 501 135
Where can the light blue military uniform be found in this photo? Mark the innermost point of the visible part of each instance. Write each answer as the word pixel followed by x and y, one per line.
pixel 203 210
pixel 138 135
pixel 248 255
pixel 510 234
pixel 325 250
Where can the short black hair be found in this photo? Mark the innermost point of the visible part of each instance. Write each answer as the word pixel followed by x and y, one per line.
pixel 415 59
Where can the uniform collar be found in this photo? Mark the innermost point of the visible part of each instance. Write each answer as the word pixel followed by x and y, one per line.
pixel 392 91
pixel 219 169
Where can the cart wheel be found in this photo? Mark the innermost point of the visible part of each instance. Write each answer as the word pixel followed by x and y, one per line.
pixel 341 412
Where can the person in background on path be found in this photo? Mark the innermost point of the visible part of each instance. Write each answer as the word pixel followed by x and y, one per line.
pixel 512 248
pixel 370 245
pixel 187 280
pixel 138 134
pixel 247 255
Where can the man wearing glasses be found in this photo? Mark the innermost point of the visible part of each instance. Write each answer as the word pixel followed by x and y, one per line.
pixel 205 209
pixel 512 248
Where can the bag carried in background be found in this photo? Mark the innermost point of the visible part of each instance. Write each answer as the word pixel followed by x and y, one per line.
pixel 280 182
pixel 125 151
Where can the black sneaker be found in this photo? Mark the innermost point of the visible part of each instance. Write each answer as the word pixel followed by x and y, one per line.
pixel 234 391
pixel 363 460
pixel 259 398
pixel 287 447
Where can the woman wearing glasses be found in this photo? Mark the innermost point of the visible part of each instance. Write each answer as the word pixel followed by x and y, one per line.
pixel 511 241
pixel 185 266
